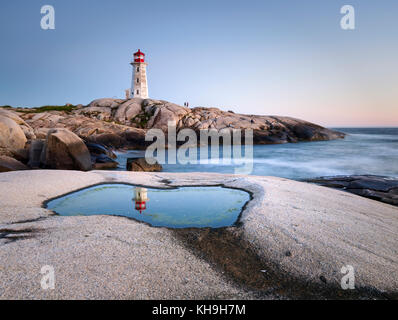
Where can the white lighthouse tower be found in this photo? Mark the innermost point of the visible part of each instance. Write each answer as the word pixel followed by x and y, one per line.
pixel 139 83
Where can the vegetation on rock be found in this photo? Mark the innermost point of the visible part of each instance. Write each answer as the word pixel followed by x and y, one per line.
pixel 66 108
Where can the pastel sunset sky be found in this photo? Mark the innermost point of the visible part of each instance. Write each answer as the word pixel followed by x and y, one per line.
pixel 260 57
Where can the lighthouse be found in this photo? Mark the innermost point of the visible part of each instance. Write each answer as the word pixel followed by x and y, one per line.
pixel 140 198
pixel 139 84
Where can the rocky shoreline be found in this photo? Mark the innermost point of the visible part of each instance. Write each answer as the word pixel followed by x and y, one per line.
pixel 84 137
pixel 380 188
pixel 114 124
pixel 291 242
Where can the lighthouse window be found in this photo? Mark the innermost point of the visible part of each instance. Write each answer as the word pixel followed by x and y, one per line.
pixel 138 69
pixel 138 80
pixel 138 91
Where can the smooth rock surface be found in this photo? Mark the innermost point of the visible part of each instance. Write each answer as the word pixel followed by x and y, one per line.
pixel 11 135
pixel 65 150
pixel 292 242
pixel 98 149
pixel 102 161
pixel 141 164
pixel 29 133
pixel 11 164
pixel 101 156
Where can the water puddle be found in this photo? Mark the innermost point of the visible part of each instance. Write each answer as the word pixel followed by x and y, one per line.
pixel 182 207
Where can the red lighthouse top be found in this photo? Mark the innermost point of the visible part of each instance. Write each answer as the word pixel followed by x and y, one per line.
pixel 139 56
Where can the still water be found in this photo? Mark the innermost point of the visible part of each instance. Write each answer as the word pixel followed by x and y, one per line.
pixel 175 208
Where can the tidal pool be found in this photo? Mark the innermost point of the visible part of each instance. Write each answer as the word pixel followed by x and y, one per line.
pixel 182 207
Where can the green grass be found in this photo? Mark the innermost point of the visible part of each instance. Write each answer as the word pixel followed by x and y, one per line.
pixel 142 118
pixel 66 108
pixel 6 107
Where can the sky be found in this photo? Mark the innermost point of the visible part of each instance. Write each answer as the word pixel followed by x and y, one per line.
pixel 276 57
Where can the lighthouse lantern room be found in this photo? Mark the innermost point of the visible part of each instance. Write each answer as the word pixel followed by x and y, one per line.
pixel 139 83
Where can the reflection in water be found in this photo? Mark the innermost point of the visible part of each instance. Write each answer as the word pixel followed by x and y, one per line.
pixel 140 198
pixel 176 208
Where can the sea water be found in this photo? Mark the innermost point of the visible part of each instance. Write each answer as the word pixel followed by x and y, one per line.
pixel 363 151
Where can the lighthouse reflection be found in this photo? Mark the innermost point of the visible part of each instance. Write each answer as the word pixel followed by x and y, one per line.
pixel 140 198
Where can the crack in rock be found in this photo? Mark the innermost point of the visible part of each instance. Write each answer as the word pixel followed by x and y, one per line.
pixel 10 235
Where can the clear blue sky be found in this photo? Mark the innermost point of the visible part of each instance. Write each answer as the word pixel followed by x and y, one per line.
pixel 263 57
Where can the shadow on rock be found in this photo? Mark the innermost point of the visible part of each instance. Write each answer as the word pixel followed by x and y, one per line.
pixel 227 251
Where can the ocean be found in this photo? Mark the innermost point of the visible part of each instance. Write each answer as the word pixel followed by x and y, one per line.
pixel 363 151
